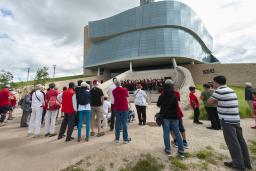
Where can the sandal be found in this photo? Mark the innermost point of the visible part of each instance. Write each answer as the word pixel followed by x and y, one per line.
pixel 100 134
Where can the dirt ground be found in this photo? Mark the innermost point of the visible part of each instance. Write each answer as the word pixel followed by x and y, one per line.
pixel 21 153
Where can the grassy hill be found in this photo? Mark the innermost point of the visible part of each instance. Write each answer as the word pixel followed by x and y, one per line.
pixel 27 83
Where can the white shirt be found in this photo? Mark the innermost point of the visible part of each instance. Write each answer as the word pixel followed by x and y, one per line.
pixel 110 92
pixel 59 97
pixel 106 106
pixel 140 97
pixel 37 99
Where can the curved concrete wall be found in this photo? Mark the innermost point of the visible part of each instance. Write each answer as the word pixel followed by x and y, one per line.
pixel 159 29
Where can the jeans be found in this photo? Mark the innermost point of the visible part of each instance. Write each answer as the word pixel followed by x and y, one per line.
pixel 174 126
pixel 121 119
pixel 112 119
pixel 87 114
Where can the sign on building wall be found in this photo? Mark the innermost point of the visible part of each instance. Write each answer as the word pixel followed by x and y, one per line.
pixel 208 71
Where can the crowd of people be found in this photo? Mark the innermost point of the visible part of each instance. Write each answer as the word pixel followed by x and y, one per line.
pixel 147 84
pixel 81 104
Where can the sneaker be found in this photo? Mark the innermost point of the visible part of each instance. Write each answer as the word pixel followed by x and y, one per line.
pixel 92 133
pixel 232 166
pixel 180 155
pixel 46 135
pixel 129 140
pixel 185 144
pixel 117 142
pixel 52 135
pixel 87 139
pixel 253 127
pixel 168 153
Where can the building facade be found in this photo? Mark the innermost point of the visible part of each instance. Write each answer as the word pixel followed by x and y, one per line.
pixel 153 33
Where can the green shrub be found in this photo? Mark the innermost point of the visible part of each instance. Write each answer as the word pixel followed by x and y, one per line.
pixel 147 163
pixel 101 168
pixel 205 166
pixel 178 164
pixel 252 147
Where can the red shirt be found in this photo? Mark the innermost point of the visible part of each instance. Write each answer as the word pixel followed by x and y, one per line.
pixel 180 113
pixel 4 97
pixel 49 94
pixel 67 103
pixel 13 100
pixel 120 99
pixel 194 103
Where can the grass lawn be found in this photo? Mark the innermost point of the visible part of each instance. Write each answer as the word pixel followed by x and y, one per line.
pixel 243 106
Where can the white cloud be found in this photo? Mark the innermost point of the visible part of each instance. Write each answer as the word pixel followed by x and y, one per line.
pixel 47 32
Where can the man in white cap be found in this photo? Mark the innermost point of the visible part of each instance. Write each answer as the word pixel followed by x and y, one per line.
pixel 37 110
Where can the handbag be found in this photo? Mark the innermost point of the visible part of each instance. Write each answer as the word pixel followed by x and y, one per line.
pixel 159 119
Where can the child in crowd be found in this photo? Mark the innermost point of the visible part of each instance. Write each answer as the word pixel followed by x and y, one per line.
pixel 254 108
pixel 106 112
pixel 194 103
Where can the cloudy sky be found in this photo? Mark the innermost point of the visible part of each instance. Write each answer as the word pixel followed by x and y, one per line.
pixel 36 33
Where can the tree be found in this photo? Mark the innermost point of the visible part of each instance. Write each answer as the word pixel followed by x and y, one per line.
pixel 6 77
pixel 42 75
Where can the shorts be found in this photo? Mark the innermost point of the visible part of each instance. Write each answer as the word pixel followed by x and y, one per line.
pixel 181 126
pixel 5 109
pixel 98 112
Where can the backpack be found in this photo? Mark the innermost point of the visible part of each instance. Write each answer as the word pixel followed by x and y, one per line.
pixel 82 97
pixel 53 103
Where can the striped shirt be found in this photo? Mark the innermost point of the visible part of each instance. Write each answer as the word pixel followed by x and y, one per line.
pixel 227 104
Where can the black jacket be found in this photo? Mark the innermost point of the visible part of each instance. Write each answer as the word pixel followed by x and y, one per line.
pixel 248 93
pixel 168 106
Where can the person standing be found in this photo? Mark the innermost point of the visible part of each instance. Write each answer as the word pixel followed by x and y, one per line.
pixel 228 111
pixel 97 97
pixel 106 112
pixel 248 91
pixel 140 100
pixel 254 109
pixel 26 108
pixel 168 104
pixel 37 110
pixel 84 109
pixel 52 107
pixel 111 98
pixel 211 109
pixel 5 103
pixel 194 103
pixel 69 107
pixel 121 111
pixel 13 101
